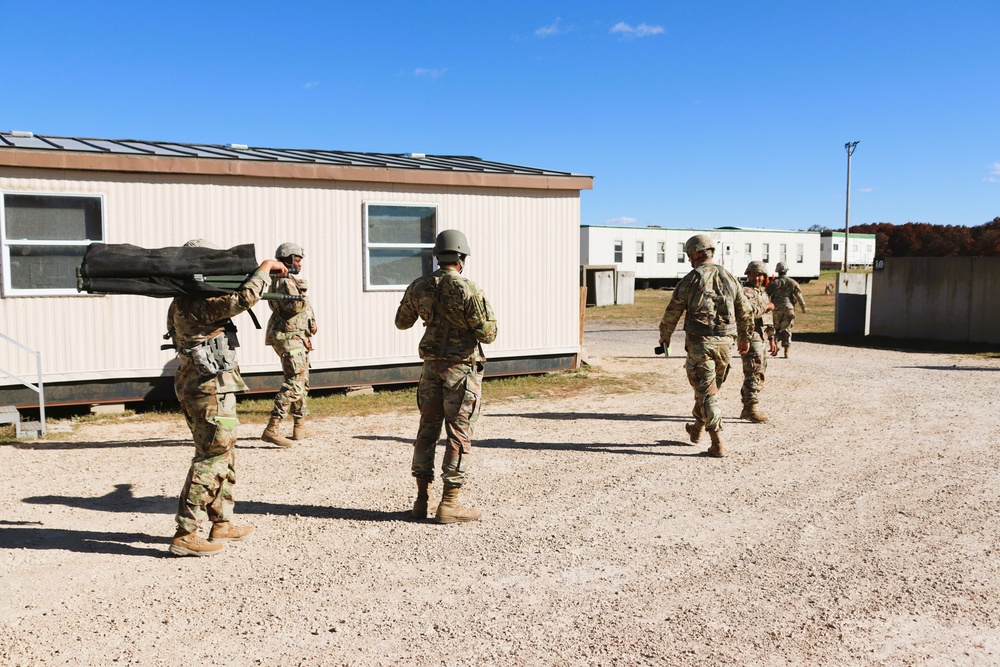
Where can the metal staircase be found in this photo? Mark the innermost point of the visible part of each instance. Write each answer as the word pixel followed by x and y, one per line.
pixel 9 414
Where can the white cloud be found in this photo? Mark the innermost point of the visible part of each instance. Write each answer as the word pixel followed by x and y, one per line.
pixel 310 84
pixel 623 221
pixel 869 189
pixel 641 30
pixel 549 30
pixel 430 73
pixel 994 176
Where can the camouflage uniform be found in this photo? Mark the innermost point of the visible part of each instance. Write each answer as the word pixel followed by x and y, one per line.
pixel 208 400
pixel 716 310
pixel 458 318
pixel 289 332
pixel 755 360
pixel 785 293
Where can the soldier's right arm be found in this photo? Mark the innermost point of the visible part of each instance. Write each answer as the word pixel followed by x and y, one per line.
pixel 479 317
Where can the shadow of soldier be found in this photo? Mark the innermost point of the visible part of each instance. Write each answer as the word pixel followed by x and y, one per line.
pixel 123 500
pixel 81 541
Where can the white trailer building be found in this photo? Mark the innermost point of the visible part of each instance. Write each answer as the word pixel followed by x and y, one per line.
pixel 656 254
pixel 831 250
pixel 367 223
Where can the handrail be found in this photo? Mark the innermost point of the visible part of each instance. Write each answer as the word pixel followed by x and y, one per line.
pixel 39 388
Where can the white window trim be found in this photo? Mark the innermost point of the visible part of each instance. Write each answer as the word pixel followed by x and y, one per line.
pixel 368 287
pixel 8 289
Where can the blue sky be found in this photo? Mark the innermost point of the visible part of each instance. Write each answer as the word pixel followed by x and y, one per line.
pixel 692 113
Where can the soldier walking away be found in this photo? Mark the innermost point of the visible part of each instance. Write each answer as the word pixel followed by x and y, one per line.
pixel 716 312
pixel 289 333
pixel 458 320
pixel 205 384
pixel 784 293
pixel 762 341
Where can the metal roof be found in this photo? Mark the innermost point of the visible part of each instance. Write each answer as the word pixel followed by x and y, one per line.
pixel 415 161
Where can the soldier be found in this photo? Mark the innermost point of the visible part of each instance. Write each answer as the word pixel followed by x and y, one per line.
pixel 717 310
pixel 755 360
pixel 205 384
pixel 458 319
pixel 289 332
pixel 784 293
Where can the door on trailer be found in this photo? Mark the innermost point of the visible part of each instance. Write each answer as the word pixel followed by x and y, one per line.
pixel 727 256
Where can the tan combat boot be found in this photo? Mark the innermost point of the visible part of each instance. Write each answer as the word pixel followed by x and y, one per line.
pixel 750 413
pixel 451 511
pixel 272 435
pixel 192 544
pixel 694 431
pixel 299 430
pixel 423 495
pixel 786 352
pixel 227 532
pixel 716 448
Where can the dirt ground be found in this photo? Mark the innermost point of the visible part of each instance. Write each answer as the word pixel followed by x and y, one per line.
pixel 859 526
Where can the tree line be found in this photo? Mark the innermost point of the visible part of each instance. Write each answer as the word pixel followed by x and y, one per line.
pixel 921 239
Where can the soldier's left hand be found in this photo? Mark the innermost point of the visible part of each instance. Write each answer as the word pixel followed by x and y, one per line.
pixel 743 347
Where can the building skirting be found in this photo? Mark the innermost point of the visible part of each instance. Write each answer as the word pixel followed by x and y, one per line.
pixel 162 388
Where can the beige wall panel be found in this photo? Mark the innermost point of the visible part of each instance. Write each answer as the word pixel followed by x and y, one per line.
pixel 525 256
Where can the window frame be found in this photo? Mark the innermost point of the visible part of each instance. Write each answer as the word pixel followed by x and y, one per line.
pixel 766 253
pixel 619 251
pixel 800 253
pixel 661 252
pixel 367 245
pixel 681 255
pixel 640 252
pixel 8 289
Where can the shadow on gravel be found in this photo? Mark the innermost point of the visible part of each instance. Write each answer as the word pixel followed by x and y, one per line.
pixel 122 500
pixel 44 444
pixel 897 344
pixel 82 541
pixel 608 416
pixel 608 448
pixel 953 368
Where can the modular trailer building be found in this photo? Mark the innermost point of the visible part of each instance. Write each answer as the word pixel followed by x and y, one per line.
pixel 367 223
pixel 656 254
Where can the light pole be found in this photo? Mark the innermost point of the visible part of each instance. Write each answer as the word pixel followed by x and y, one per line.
pixel 850 146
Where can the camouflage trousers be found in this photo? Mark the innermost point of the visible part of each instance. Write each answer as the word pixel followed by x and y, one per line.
pixel 208 490
pixel 449 394
pixel 754 367
pixel 707 367
pixel 784 320
pixel 291 398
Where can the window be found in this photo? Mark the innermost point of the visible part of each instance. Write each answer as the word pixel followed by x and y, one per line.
pixel 800 251
pixel 661 252
pixel 836 246
pixel 640 252
pixel 618 252
pixel 44 239
pixel 783 253
pixel 399 239
pixel 681 257
pixel 767 253
pixel 748 249
pixel 821 247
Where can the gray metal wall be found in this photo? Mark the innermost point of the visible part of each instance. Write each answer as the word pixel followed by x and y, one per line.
pixel 938 298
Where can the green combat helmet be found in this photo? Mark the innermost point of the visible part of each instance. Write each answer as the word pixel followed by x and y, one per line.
pixel 201 243
pixel 698 243
pixel 781 268
pixel 288 250
pixel 450 246
pixel 756 267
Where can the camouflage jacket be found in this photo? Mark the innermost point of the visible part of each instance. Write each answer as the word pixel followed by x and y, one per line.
pixel 192 321
pixel 457 316
pixel 763 327
pixel 714 305
pixel 289 319
pixel 785 293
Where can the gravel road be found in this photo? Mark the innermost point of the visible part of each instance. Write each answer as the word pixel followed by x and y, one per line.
pixel 858 527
